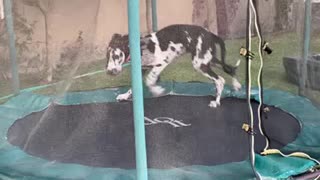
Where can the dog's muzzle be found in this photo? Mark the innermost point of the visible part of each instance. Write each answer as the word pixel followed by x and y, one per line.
pixel 113 72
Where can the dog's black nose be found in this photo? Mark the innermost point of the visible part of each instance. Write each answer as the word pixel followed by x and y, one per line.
pixel 112 72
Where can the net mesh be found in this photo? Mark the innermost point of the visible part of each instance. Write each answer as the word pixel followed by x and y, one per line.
pixel 62 57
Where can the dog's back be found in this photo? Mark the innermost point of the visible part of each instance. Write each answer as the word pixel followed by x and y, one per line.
pixel 188 36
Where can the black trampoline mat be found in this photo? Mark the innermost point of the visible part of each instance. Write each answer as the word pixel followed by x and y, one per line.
pixel 180 131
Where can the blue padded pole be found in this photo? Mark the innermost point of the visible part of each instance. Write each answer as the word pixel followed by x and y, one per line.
pixel 154 16
pixel 306 47
pixel 137 89
pixel 12 46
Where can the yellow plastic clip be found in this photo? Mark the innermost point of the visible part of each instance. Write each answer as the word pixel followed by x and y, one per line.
pixel 270 151
pixel 246 127
pixel 244 52
pixel 295 154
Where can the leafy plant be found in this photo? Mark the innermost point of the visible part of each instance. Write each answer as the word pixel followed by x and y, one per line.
pixel 44 7
pixel 24 31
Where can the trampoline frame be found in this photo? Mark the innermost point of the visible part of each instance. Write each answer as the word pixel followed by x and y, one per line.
pixel 26 103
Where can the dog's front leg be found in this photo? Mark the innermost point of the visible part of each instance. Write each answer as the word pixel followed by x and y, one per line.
pixel 152 78
pixel 125 96
pixel 128 95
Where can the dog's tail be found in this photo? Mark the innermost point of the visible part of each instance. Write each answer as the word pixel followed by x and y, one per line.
pixel 231 69
pixel 226 67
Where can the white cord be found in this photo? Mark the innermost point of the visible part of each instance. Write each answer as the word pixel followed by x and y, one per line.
pixel 259 74
pixel 1 10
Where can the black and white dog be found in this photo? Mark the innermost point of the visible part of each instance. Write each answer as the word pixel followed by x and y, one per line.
pixel 159 49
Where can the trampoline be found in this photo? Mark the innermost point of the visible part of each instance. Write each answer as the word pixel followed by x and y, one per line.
pixel 86 135
pixel 180 127
pixel 73 133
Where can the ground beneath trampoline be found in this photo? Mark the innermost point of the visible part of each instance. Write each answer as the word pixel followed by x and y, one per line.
pixel 180 131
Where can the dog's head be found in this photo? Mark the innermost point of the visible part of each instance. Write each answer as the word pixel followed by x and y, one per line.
pixel 117 54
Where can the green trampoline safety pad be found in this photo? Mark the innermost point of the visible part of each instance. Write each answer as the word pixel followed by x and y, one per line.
pixel 17 164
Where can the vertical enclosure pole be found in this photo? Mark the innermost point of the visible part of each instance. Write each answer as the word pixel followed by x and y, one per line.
pixel 137 90
pixel 154 16
pixel 12 46
pixel 306 47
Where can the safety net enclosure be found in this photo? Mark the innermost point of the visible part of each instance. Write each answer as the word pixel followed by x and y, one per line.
pixel 230 89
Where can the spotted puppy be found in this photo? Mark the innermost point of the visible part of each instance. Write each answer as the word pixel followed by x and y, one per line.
pixel 159 49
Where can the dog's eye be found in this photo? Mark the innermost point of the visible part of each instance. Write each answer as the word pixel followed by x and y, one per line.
pixel 121 55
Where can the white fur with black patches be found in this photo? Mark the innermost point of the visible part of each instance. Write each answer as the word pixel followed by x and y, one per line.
pixel 159 49
pixel 235 83
pixel 188 37
pixel 160 61
pixel 125 96
pixel 116 60
pixel 219 87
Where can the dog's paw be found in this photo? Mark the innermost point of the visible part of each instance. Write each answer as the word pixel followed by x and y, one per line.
pixel 236 85
pixel 157 91
pixel 214 104
pixel 123 97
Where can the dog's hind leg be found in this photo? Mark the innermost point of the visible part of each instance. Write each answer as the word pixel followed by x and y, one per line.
pixel 235 83
pixel 219 81
pixel 229 70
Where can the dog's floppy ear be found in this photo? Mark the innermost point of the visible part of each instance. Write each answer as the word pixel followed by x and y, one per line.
pixel 125 39
pixel 116 36
pixel 115 39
